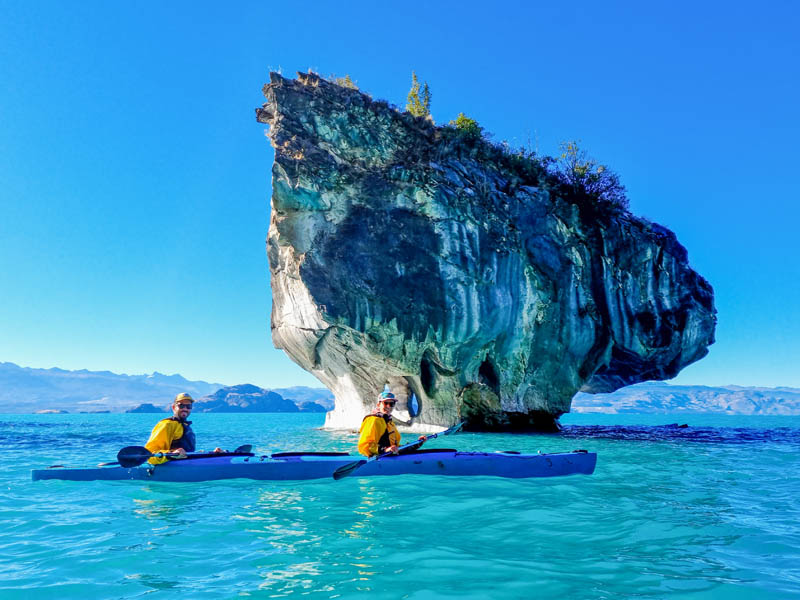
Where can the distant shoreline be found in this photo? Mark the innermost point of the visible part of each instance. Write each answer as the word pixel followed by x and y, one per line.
pixel 41 391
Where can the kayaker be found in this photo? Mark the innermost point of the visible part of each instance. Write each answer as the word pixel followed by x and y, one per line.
pixel 174 434
pixel 378 433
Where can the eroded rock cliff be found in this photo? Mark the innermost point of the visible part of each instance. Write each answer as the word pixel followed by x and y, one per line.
pixel 400 254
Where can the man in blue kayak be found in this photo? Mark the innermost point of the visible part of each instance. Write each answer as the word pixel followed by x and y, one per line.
pixel 378 433
pixel 174 434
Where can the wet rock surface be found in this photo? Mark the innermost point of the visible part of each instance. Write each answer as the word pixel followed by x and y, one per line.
pixel 400 255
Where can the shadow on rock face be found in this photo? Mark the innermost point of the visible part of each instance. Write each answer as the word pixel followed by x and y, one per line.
pixel 481 411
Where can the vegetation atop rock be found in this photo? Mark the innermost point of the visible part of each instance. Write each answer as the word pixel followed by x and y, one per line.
pixel 573 174
pixel 468 128
pixel 586 178
pixel 418 102
pixel 343 81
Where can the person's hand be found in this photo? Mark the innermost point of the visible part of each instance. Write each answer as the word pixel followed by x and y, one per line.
pixel 217 450
pixel 181 453
pixel 392 449
pixel 422 439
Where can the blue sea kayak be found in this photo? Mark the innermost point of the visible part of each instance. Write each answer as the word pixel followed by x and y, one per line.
pixel 321 465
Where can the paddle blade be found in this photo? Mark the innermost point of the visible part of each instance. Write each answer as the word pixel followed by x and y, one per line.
pixel 133 456
pixel 244 449
pixel 347 469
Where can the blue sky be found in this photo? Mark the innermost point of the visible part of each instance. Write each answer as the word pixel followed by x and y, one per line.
pixel 135 181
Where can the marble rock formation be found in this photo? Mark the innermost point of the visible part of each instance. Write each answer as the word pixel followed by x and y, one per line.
pixel 402 255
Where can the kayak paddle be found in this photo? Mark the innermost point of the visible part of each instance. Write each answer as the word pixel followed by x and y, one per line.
pixel 133 456
pixel 348 469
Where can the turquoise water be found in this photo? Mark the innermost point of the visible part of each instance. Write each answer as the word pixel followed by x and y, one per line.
pixel 712 511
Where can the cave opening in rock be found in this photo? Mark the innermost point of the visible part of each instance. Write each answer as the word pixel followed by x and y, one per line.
pixel 413 406
pixel 427 374
pixel 487 375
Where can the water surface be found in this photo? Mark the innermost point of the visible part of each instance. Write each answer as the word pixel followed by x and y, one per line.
pixel 708 511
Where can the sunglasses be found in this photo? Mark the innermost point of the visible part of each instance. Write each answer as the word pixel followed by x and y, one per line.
pixel 181 405
pixel 389 402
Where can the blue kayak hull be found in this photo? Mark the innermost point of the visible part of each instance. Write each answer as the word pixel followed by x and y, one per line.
pixel 312 466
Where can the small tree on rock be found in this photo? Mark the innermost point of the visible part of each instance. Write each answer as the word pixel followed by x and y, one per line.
pixel 345 81
pixel 426 99
pixel 418 105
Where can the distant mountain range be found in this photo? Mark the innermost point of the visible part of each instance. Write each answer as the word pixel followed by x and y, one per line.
pixel 661 398
pixel 251 398
pixel 28 390
pixel 244 398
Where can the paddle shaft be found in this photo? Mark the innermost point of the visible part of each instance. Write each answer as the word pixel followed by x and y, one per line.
pixel 417 443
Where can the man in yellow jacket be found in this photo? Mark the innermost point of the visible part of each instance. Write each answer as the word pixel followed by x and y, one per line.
pixel 173 434
pixel 378 433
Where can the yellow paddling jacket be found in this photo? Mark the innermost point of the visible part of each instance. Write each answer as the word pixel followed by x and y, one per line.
pixel 169 434
pixel 377 433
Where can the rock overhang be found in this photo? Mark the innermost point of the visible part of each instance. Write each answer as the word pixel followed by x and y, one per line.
pixel 400 257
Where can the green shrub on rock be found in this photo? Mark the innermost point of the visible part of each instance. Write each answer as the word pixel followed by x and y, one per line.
pixel 587 178
pixel 343 81
pixel 467 128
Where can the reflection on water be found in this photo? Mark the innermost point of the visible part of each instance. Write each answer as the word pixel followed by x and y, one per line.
pixel 290 578
pixel 154 581
pixel 297 526
pixel 675 432
pixel 175 505
pixel 364 512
